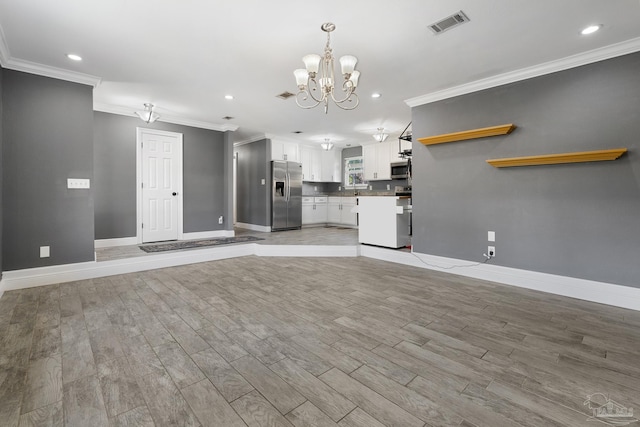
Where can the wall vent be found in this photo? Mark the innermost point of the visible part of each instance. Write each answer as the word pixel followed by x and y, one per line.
pixel 285 95
pixel 228 118
pixel 449 22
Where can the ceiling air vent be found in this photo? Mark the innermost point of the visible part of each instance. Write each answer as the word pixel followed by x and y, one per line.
pixel 449 22
pixel 228 118
pixel 285 95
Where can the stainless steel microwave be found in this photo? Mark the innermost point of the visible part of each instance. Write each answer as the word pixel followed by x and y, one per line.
pixel 400 170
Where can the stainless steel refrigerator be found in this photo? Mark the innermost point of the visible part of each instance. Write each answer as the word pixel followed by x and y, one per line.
pixel 286 195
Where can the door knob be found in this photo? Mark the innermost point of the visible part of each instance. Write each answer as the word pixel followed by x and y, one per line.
pixel 174 194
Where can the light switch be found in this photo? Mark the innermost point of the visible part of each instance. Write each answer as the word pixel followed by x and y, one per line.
pixel 78 183
pixel 491 236
pixel 262 181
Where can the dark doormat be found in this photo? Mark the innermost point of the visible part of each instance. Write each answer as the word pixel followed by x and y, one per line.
pixel 190 244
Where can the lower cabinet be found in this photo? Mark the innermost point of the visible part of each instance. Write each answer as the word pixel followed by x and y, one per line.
pixel 341 211
pixel 314 210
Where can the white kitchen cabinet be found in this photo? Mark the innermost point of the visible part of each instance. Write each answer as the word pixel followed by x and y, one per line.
pixel 348 211
pixel 314 210
pixel 384 221
pixel 331 166
pixel 341 211
pixel 394 155
pixel 377 161
pixel 320 212
pixel 281 150
pixel 307 210
pixel 311 164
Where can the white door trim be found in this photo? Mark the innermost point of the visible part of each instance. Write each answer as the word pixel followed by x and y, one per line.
pixel 139 133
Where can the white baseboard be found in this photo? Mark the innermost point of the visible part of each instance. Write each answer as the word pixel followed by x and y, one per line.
pixel 41 276
pixel 254 227
pixel 306 251
pixel 109 243
pixel 589 290
pixel 208 234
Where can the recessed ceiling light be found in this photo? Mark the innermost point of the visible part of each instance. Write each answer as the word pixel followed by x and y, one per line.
pixel 228 97
pixel 74 57
pixel 590 29
pixel 376 95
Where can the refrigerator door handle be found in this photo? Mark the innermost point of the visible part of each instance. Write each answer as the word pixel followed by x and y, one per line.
pixel 288 185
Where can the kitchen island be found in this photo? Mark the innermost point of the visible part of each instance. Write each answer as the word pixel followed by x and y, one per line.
pixel 384 220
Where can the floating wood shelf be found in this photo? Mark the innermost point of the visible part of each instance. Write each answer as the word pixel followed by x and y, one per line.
pixel 553 159
pixel 468 134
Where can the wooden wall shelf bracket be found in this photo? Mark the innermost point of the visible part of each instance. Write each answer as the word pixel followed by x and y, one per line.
pixel 553 159
pixel 468 134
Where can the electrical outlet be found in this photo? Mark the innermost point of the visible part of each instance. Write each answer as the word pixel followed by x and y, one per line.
pixel 339 188
pixel 220 219
pixel 45 252
pixel 491 251
pixel 262 181
pixel 388 187
pixel 370 187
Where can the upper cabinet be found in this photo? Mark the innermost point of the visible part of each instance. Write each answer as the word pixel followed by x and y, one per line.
pixel 317 165
pixel 311 164
pixel 377 161
pixel 395 149
pixel 281 150
pixel 331 165
pixel 320 165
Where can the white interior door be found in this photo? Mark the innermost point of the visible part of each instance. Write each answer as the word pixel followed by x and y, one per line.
pixel 161 185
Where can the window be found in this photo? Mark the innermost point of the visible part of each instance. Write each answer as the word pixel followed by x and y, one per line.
pixel 354 172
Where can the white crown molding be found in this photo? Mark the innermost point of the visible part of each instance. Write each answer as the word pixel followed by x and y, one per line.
pixel 250 140
pixel 10 63
pixel 573 61
pixel 53 72
pixel 131 112
pixel 4 50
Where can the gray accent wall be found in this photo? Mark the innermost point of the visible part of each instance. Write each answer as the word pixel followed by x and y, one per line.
pixel 576 220
pixel 1 167
pixel 47 127
pixel 207 171
pixel 252 198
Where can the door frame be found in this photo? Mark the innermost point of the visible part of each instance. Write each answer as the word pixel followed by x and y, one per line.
pixel 139 133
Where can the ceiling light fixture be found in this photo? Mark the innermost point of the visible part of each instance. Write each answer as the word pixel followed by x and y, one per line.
pixel 380 136
pixel 319 77
pixel 74 57
pixel 590 29
pixel 229 97
pixel 326 145
pixel 148 116
pixel 376 95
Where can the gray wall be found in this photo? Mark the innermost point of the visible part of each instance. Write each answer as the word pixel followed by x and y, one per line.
pixel 252 198
pixel 206 169
pixel 1 201
pixel 577 220
pixel 47 138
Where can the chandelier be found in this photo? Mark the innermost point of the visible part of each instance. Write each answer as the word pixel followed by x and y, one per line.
pixel 380 136
pixel 326 145
pixel 148 116
pixel 317 83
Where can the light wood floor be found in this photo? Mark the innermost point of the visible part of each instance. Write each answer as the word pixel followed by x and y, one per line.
pixel 308 342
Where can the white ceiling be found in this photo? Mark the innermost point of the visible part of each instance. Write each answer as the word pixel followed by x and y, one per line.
pixel 185 56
